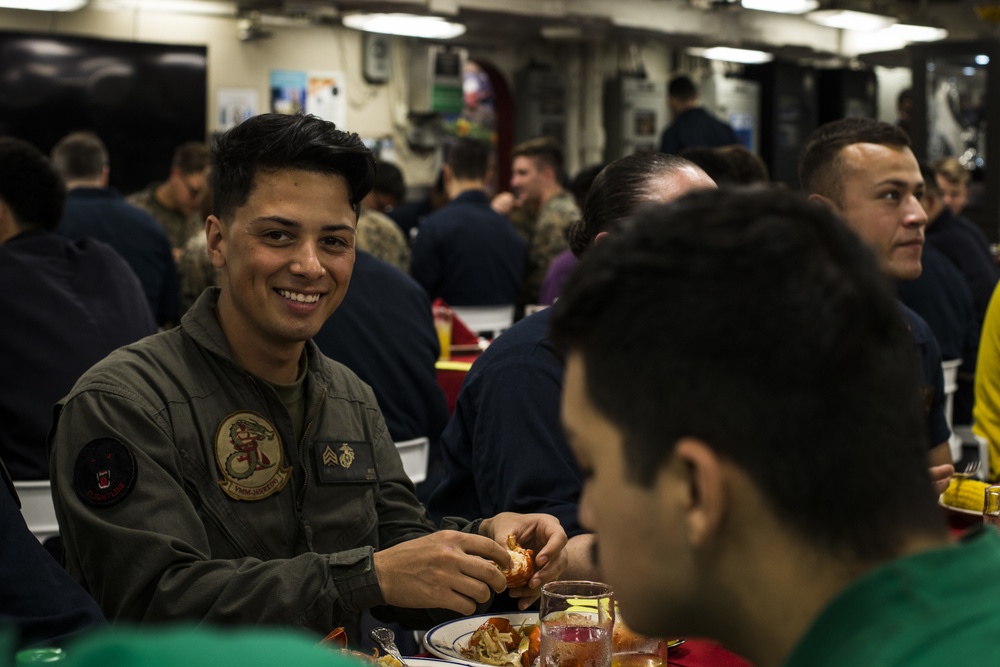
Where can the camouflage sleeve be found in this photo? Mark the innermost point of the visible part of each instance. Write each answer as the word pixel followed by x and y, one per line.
pixel 196 271
pixel 549 240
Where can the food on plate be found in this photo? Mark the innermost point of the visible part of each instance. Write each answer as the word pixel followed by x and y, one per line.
pixel 337 639
pixel 497 642
pixel 522 564
pixel 965 493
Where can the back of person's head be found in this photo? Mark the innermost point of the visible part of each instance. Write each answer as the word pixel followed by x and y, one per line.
pixel 617 190
pixel 546 153
pixel 950 169
pixel 682 88
pixel 80 156
pixel 582 182
pixel 191 157
pixel 469 159
pixel 713 162
pixel 270 143
pixel 30 186
pixel 389 182
pixel 820 168
pixel 748 167
pixel 904 100
pixel 756 322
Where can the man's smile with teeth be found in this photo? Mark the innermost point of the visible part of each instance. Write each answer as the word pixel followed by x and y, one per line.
pixel 301 298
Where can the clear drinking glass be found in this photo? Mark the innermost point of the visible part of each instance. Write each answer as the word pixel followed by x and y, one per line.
pixel 577 618
pixel 991 506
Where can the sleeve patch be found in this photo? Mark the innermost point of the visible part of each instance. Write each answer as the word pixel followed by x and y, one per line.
pixel 104 473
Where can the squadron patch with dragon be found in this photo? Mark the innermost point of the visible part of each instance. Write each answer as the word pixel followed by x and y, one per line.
pixel 249 454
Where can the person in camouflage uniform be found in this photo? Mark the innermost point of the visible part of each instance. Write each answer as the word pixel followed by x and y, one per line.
pixel 176 202
pixel 538 179
pixel 378 235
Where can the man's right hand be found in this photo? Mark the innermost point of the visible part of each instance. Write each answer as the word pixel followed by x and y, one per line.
pixel 446 569
pixel 503 203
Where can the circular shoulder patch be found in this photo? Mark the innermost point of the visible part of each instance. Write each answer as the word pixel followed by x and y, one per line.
pixel 105 472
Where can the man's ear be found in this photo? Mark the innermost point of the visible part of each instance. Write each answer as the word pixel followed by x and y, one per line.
pixel 217 235
pixel 703 481
pixel 823 201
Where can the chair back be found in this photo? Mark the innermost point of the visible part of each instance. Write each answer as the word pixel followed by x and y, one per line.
pixel 414 454
pixel 488 321
pixel 37 508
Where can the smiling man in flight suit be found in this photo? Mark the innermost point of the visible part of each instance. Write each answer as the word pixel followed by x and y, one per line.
pixel 226 471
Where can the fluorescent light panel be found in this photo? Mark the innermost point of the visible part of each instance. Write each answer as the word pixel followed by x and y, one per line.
pixel 782 6
pixel 728 54
pixel 408 25
pixel 915 33
pixel 203 7
pixel 44 5
pixel 848 19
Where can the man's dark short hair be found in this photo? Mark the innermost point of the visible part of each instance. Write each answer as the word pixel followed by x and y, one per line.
pixel 469 159
pixel 80 155
pixel 617 191
pixel 546 153
pixel 389 181
pixel 820 170
pixel 582 182
pixel 756 322
pixel 713 162
pixel 270 143
pixel 682 88
pixel 30 185
pixel 191 157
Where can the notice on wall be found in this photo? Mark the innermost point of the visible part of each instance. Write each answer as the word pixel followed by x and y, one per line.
pixel 288 91
pixel 235 105
pixel 327 96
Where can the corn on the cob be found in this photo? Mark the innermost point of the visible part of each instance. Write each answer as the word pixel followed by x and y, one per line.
pixel 965 493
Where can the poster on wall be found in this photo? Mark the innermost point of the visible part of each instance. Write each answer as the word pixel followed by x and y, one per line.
pixel 327 96
pixel 288 91
pixel 235 105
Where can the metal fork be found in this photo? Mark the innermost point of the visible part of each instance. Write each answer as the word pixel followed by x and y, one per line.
pixel 971 469
pixel 386 638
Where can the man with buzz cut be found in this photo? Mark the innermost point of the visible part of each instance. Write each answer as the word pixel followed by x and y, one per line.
pixel 226 471
pixel 864 171
pixel 739 396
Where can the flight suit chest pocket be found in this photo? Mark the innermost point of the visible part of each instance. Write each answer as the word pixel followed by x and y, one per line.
pixel 341 462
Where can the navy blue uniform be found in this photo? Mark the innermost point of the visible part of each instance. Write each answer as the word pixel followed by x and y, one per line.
pixel 384 332
pixel 66 305
pixel 37 596
pixel 966 245
pixel 931 377
pixel 102 214
pixel 468 254
pixel 504 449
pixel 696 127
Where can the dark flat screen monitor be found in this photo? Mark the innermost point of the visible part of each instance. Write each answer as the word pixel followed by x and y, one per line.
pixel 143 100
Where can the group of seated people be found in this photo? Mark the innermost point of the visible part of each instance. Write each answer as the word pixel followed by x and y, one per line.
pixel 727 414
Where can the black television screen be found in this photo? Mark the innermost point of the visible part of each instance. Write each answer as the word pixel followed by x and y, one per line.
pixel 143 100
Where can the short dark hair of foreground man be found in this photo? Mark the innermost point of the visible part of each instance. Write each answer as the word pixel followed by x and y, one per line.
pixel 732 359
pixel 65 304
pixel 227 472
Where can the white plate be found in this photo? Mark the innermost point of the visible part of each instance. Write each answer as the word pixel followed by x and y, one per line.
pixel 430 662
pixel 446 640
pixel 960 510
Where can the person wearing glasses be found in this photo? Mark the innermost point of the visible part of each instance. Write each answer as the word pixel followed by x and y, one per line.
pixel 176 202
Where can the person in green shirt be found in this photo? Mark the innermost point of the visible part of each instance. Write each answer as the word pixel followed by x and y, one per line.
pixel 742 398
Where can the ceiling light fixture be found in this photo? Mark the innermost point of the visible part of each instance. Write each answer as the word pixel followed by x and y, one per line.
pixel 44 5
pixel 850 19
pixel 782 6
pixel 200 7
pixel 728 54
pixel 407 25
pixel 915 32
